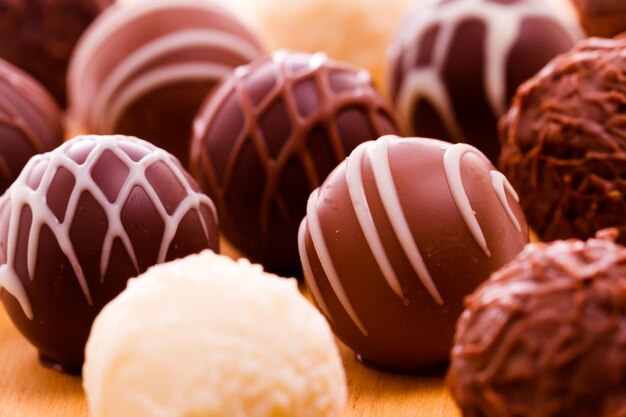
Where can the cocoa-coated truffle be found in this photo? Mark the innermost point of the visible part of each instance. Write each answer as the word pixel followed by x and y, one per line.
pixel 455 64
pixel 144 67
pixel 269 135
pixel 395 238
pixel 602 17
pixel 39 36
pixel 564 146
pixel 82 219
pixel 545 336
pixel 30 122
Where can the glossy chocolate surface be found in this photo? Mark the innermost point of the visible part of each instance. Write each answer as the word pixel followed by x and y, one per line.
pixel 564 144
pixel 144 67
pixel 604 18
pixel 40 35
pixel 269 135
pixel 30 122
pixel 395 238
pixel 546 335
pixel 83 219
pixel 455 65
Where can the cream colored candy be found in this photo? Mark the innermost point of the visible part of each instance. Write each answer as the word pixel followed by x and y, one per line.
pixel 209 336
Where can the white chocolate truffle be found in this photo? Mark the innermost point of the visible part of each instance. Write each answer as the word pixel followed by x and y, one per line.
pixel 209 336
pixel 354 31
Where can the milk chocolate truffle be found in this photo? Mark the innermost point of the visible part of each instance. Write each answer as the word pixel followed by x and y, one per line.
pixel 545 336
pixel 269 135
pixel 82 219
pixel 455 64
pixel 395 238
pixel 144 67
pixel 564 146
pixel 40 35
pixel 30 122
pixel 605 18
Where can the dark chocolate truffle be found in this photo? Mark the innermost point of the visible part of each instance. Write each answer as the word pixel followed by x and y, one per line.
pixel 395 238
pixel 455 64
pixel 39 36
pixel 269 135
pixel 605 18
pixel 30 122
pixel 564 143
pixel 83 219
pixel 545 336
pixel 143 68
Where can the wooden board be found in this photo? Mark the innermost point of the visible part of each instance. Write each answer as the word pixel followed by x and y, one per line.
pixel 27 389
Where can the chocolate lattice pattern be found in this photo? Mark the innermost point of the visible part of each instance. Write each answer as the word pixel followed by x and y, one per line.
pixel 80 158
pixel 298 116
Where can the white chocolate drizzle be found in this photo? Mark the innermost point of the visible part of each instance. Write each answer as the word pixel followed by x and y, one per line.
pixel 317 236
pixel 378 154
pixel 20 195
pixel 452 167
pixel 503 24
pixel 501 186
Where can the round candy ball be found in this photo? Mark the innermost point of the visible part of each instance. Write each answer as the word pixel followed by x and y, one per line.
pixel 354 31
pixel 395 238
pixel 79 222
pixel 269 135
pixel 30 122
pixel 564 145
pixel 546 335
pixel 40 35
pixel 455 64
pixel 143 68
pixel 208 336
pixel 604 18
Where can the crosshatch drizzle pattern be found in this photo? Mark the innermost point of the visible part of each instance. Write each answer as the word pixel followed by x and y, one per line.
pixel 337 88
pixel 32 187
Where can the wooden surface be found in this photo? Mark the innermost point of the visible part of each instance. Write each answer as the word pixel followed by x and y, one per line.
pixel 28 389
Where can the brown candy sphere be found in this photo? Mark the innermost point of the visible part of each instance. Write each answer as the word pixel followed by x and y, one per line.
pixel 564 145
pixel 605 18
pixel 144 67
pixel 30 122
pixel 545 336
pixel 395 238
pixel 83 219
pixel 269 135
pixel 40 35
pixel 455 64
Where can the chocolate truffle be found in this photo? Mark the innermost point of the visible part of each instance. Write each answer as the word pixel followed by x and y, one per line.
pixel 269 135
pixel 605 18
pixel 564 146
pixel 30 122
pixel 143 68
pixel 39 36
pixel 79 222
pixel 395 238
pixel 230 341
pixel 545 336
pixel 455 64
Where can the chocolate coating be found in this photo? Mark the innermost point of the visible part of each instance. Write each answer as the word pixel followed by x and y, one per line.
pixel 39 36
pixel 269 135
pixel 564 146
pixel 395 238
pixel 143 68
pixel 83 219
pixel 30 122
pixel 545 336
pixel 605 18
pixel 455 64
